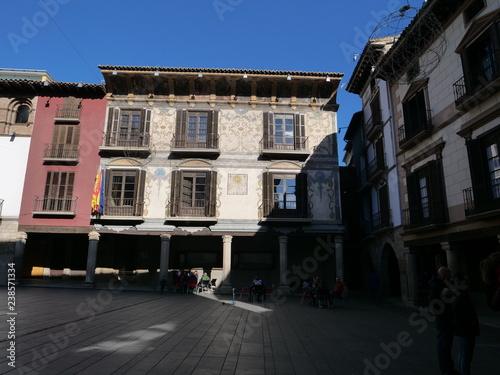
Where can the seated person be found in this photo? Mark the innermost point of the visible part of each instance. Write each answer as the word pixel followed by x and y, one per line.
pixel 205 281
pixel 192 281
pixel 257 289
pixel 322 293
pixel 338 289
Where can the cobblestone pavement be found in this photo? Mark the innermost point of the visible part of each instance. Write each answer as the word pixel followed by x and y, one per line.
pixel 113 331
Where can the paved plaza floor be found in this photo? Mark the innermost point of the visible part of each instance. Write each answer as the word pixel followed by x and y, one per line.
pixel 114 331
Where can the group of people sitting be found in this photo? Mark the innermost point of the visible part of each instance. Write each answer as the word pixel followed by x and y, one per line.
pixel 189 282
pixel 318 292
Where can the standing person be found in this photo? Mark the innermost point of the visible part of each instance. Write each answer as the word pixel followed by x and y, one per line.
pixel 374 281
pixel 465 322
pixel 440 304
pixel 163 283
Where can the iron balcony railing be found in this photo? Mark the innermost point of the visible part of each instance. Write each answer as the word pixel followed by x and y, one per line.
pixel 195 141
pixel 382 219
pixel 478 77
pixel 480 199
pixel 197 208
pixel 55 204
pixel 61 151
pixel 126 139
pixel 377 164
pixel 428 213
pixel 281 143
pixel 273 209
pixel 372 123
pixel 408 131
pixel 64 112
pixel 130 207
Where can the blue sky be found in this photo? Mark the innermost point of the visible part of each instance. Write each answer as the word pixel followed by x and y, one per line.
pixel 70 38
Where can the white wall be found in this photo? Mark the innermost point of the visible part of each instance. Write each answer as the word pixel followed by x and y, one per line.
pixel 13 160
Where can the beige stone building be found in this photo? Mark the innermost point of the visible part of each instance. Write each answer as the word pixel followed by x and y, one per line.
pixel 446 115
pixel 234 172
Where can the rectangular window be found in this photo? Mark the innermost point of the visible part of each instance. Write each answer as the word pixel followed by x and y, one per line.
pixel 426 196
pixel 196 130
pixel 124 192
pixel 58 195
pixel 193 194
pixel 65 139
pixel 284 131
pixel 128 127
pixel 285 195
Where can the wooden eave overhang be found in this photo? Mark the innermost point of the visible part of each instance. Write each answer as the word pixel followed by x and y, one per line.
pixel 220 84
pixel 10 87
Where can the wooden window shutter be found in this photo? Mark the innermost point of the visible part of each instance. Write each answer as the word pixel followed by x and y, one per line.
pixel 477 164
pixel 268 130
pixel 301 181
pixel 407 119
pixel 413 197
pixel 212 130
pixel 145 121
pixel 139 192
pixel 181 121
pixel 379 151
pixel 211 194
pixel 113 119
pixel 299 131
pixel 267 194
pixel 76 135
pixel 175 193
pixel 48 184
pixel 437 199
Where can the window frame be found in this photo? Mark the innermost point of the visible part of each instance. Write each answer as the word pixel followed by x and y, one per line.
pixel 179 198
pixel 271 206
pixel 119 204
pixel 298 127
pixel 182 134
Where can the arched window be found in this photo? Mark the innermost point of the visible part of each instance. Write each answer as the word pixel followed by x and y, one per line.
pixel 22 114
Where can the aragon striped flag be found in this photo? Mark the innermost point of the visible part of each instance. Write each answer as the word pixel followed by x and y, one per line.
pixel 97 195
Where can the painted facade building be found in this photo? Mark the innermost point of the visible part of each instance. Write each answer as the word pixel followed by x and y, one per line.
pixel 228 171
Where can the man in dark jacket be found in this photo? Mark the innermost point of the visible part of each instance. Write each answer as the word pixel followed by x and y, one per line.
pixel 441 298
pixel 465 322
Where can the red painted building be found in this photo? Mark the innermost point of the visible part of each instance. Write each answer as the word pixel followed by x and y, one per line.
pixel 61 170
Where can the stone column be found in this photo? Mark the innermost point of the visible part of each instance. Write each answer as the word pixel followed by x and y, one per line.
pixel 451 257
pixel 164 254
pixel 91 258
pixel 284 287
pixel 411 275
pixel 339 257
pixel 19 254
pixel 226 286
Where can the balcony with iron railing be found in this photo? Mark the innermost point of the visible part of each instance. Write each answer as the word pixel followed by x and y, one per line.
pixel 68 114
pixel 375 168
pixel 373 123
pixel 122 208
pixel 409 133
pixel 426 214
pixel 381 220
pixel 197 210
pixel 481 200
pixel 290 147
pixel 293 211
pixel 55 152
pixel 117 142
pixel 190 144
pixel 478 84
pixel 55 206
